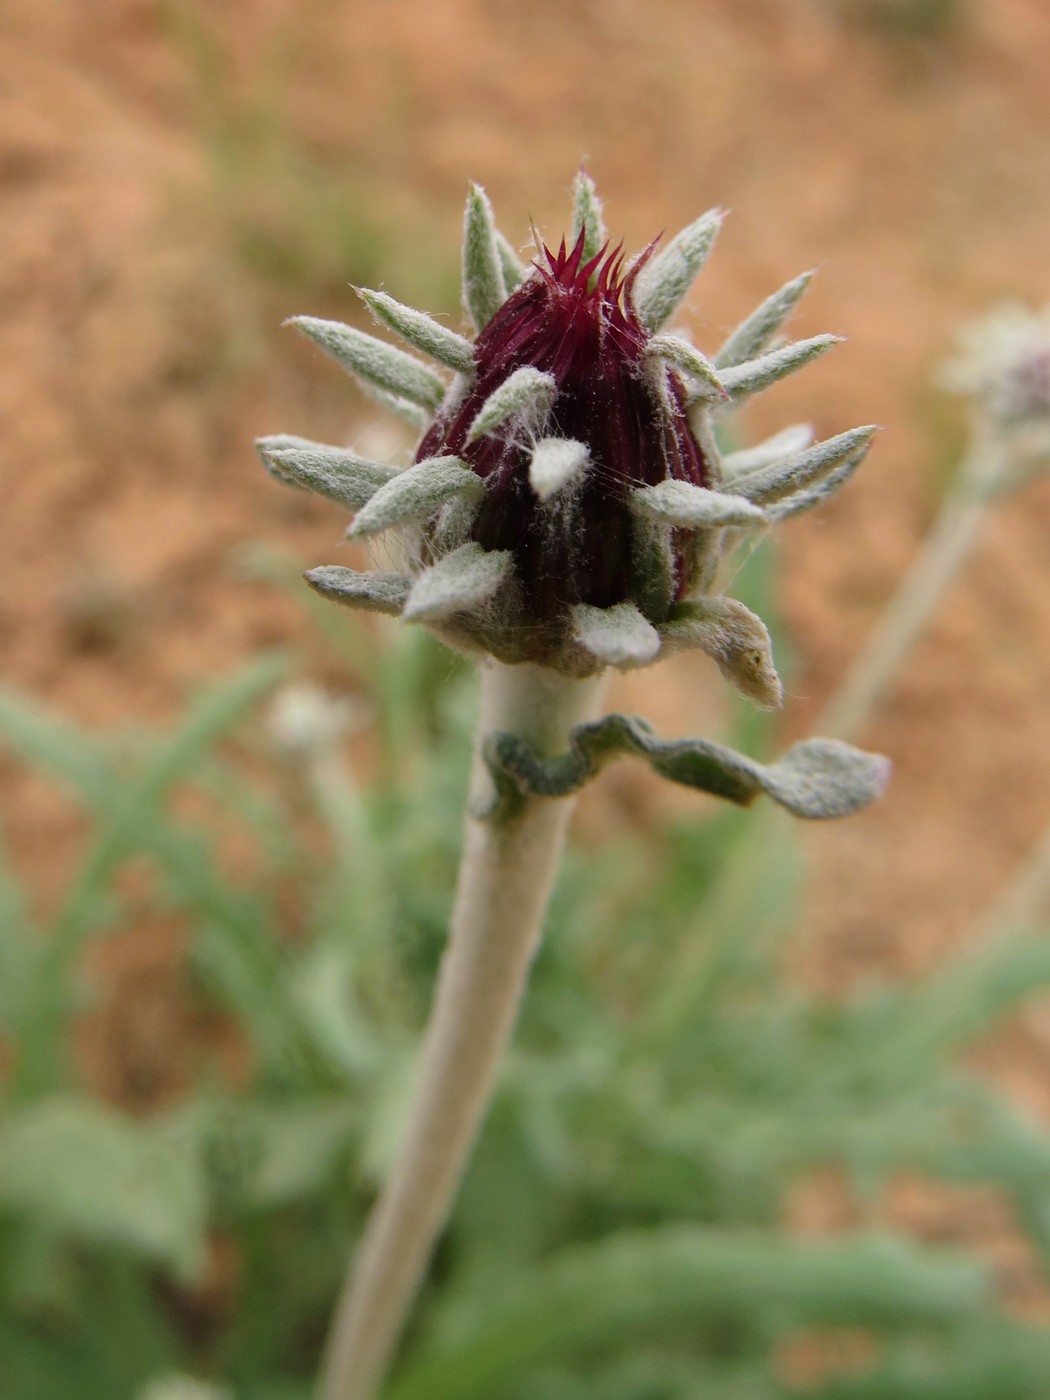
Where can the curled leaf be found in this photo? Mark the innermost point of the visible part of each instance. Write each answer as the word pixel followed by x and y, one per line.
pixel 817 779
pixel 698 370
pixel 734 638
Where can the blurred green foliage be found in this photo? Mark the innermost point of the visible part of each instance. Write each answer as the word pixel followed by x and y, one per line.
pixel 620 1234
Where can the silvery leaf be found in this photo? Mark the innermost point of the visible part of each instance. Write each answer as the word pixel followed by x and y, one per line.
pixel 484 286
pixel 464 579
pixel 618 636
pixel 753 335
pixel 664 281
pixel 414 495
pixel 420 330
pixel 381 364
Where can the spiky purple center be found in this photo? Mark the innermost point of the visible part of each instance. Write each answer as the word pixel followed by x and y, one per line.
pixel 575 321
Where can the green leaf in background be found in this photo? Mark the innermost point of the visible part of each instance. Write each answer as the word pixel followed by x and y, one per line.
pixel 275 1153
pixel 90 1173
pixel 135 804
pixel 37 1364
pixel 602 1292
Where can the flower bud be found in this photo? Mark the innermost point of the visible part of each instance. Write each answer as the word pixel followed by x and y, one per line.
pixel 568 503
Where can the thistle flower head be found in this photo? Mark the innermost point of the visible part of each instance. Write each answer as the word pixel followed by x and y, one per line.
pixel 569 503
pixel 1003 364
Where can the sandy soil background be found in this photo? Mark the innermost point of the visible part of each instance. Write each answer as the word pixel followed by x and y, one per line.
pixel 176 178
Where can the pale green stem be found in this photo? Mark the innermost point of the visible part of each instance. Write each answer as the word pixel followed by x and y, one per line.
pixel 1026 893
pixel 940 559
pixel 505 879
pixel 981 481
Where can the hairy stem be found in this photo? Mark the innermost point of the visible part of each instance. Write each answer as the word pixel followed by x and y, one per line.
pixel 505 879
pixel 943 554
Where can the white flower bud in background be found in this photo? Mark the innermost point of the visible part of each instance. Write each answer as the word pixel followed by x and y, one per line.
pixel 177 1387
pixel 1003 365
pixel 304 721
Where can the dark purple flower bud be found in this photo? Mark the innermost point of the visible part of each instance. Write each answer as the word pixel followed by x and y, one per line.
pixel 568 503
pixel 574 321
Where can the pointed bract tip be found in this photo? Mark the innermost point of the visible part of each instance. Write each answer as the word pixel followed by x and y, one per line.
pixel 556 463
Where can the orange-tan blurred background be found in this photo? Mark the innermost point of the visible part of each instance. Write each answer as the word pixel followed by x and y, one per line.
pixel 177 178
